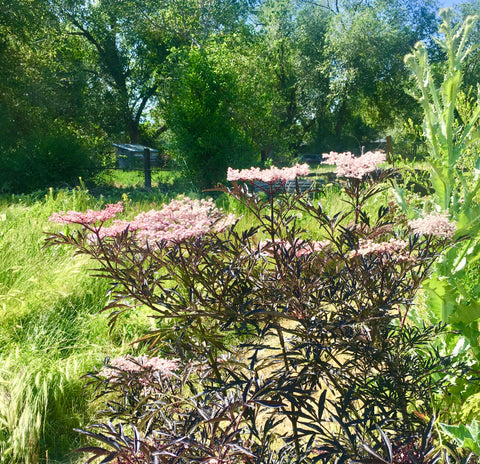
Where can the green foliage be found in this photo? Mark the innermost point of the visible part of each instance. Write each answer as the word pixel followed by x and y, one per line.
pixel 463 10
pixel 446 137
pixel 42 401
pixel 471 408
pixel 290 76
pixel 366 44
pixel 466 436
pixel 120 61
pixel 206 136
pixel 48 160
pixel 45 139
pixel 449 134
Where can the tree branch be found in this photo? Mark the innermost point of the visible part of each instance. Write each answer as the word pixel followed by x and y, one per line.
pixel 148 94
pixel 85 33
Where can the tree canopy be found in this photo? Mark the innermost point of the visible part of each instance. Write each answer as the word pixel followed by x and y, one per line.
pixel 211 82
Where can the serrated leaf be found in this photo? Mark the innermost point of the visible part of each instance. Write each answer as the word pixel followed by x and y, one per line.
pixel 465 314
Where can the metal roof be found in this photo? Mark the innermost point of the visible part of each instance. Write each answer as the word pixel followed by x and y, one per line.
pixel 132 148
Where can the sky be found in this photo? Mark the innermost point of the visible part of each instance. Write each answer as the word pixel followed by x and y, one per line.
pixel 444 3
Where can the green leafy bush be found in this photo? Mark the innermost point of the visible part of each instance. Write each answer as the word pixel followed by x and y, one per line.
pixel 206 135
pixel 42 160
pixel 451 132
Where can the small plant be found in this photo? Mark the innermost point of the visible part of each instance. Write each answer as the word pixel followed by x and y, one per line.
pixel 466 436
pixel 300 344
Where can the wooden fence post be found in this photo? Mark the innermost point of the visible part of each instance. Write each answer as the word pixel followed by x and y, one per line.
pixel 147 168
pixel 389 149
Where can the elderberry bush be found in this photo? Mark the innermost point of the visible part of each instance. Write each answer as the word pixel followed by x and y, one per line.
pixel 287 347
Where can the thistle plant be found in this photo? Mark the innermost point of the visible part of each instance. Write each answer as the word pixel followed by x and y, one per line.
pixel 290 347
pixel 456 187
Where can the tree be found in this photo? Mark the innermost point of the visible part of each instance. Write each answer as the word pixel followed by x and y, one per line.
pixel 277 18
pixel 367 41
pixel 123 60
pixel 314 75
pixel 44 141
pixel 338 66
pixel 203 116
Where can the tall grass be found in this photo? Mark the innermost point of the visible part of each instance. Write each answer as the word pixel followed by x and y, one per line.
pixel 50 334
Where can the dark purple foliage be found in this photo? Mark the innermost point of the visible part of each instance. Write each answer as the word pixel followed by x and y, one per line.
pixel 290 348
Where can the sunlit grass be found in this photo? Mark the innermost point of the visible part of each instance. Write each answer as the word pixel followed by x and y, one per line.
pixel 50 332
pixel 119 178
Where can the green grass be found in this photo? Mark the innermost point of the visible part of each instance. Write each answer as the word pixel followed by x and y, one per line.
pixel 120 179
pixel 50 332
pixel 115 184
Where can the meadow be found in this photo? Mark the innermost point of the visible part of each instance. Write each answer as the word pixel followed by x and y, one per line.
pixel 336 325
pixel 52 329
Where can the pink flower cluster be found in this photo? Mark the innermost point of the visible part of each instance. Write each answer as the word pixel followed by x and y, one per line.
pixel 174 223
pixel 269 176
pixel 303 248
pixel 143 367
pixel 393 248
pixel 89 217
pixel 349 165
pixel 130 364
pixel 436 224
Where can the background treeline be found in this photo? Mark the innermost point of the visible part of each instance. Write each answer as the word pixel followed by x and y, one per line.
pixel 212 83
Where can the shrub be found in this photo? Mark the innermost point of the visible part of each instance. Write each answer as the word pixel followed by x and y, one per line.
pixel 56 159
pixel 206 135
pixel 290 347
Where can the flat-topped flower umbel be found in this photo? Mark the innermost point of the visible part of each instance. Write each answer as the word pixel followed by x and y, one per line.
pixel 269 176
pixel 349 165
pixel 164 367
pixel 302 247
pixel 176 222
pixel 89 217
pixel 393 250
pixel 436 224
pixel 144 371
